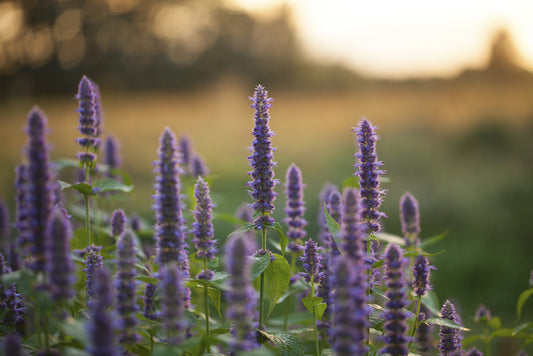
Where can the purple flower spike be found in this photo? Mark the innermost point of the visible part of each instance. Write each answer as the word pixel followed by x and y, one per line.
pixel 424 332
pixel 40 189
pixel 350 311
pixel 125 287
pixel 12 345
pixel 410 219
pixel 98 110
pixel 241 296
pixel 135 222
pixel 118 222
pixel 395 326
pixel 203 226
pixel 311 262
pixel 172 309
pixel 420 271
pixel 450 338
pixel 149 311
pixel 369 173
pixel 474 352
pixel 295 208
pixel 325 236
pixel 351 227
pixel 12 306
pixel 100 329
pixel 22 209
pixel 88 123
pixel 4 226
pixel 199 167
pixel 263 182
pixel 111 154
pixel 170 225
pixel 60 267
pixel 185 148
pixel 482 314
pixel 93 262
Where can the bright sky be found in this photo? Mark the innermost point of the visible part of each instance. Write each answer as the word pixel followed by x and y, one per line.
pixel 409 37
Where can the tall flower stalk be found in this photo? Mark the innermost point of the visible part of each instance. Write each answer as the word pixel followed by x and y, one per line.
pixel 203 237
pixel 172 303
pixel 420 269
pixel 262 174
pixel 410 219
pixel 89 142
pixel 369 173
pixel 312 266
pixel 450 338
pixel 40 190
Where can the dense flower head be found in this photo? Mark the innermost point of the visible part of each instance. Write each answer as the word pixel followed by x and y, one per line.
pixel 172 305
pixel 311 262
pixel 22 209
pixel 295 208
pixel 40 188
pixel 88 123
pixel 324 290
pixel 203 225
pixel 324 234
pixel 101 327
pixel 4 226
pixel 118 222
pixel 93 261
pixel 350 311
pixel 369 173
pixel 424 332
pixel 410 218
pixel 170 225
pixel 125 286
pixel 261 161
pixel 395 326
pixel 59 264
pixel 149 311
pixel 352 230
pixel 420 271
pixel 12 307
pixel 185 149
pixel 98 110
pixel 241 296
pixel 450 338
pixel 135 222
pixel 199 167
pixel 111 154
pixel 12 345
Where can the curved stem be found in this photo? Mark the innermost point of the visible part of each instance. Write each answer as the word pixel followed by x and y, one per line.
pixel 206 297
pixel 317 346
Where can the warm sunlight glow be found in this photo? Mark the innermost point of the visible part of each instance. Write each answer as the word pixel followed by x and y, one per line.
pixel 408 38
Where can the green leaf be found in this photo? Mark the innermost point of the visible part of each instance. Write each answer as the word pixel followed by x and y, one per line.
pixel 148 279
pixel 83 188
pixel 327 352
pixel 259 265
pixel 431 301
pixel 285 344
pixel 495 323
pixel 76 329
pixel 334 228
pixel 503 332
pixel 447 323
pixel 432 240
pixel 214 295
pixel 258 352
pixel 277 278
pixel 283 240
pixel 108 184
pixel 522 300
pixel 390 238
pixel 520 328
pixel 315 305
pixel 351 181
pixel 245 228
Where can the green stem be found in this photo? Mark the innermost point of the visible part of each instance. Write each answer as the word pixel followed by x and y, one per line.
pixel 206 297
pixel 289 298
pixel 415 325
pixel 262 287
pixel 46 331
pixel 87 220
pixel 37 325
pixel 317 346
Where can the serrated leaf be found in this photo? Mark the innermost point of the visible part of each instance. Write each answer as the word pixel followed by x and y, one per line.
pixel 285 344
pixel 277 278
pixel 259 264
pixel 108 184
pixel 432 240
pixel 283 240
pixel 431 301
pixel 83 188
pixel 245 228
pixel 446 323
pixel 214 295
pixel 524 296
pixel 315 305
pixel 389 238
pixel 334 228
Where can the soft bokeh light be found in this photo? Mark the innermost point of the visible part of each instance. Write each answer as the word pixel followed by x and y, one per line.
pixel 407 38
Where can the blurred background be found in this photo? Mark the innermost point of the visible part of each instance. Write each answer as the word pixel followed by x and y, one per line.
pixel 450 86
